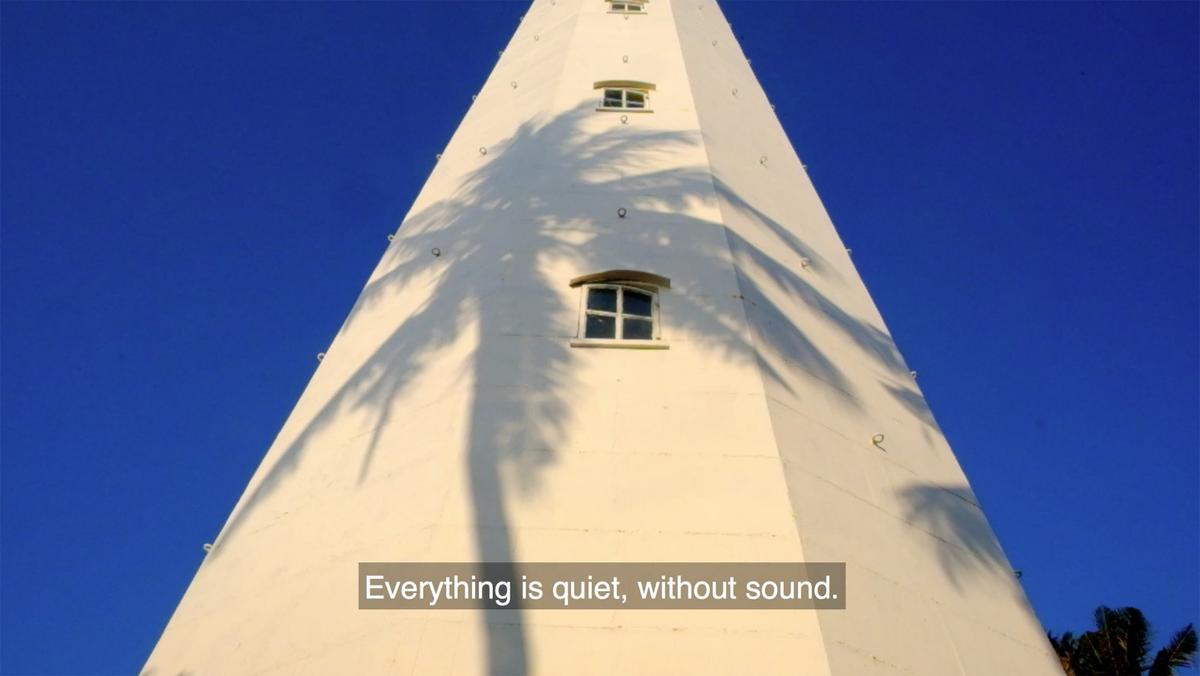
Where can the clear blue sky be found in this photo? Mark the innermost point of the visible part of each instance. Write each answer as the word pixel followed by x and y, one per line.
pixel 193 195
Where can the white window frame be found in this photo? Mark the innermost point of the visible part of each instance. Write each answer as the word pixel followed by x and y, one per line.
pixel 640 4
pixel 624 107
pixel 655 341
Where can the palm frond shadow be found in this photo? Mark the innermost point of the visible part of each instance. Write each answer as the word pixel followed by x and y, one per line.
pixel 497 231
pixel 966 544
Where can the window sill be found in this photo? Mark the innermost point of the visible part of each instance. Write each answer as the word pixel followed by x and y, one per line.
pixel 624 110
pixel 627 13
pixel 621 344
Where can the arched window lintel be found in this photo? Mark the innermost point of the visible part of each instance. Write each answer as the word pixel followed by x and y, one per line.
pixel 619 276
pixel 624 84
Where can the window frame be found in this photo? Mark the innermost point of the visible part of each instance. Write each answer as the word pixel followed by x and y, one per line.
pixel 625 86
pixel 640 4
pixel 625 92
pixel 620 316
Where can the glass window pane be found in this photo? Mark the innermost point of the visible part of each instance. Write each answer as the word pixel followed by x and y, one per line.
pixel 637 303
pixel 602 299
pixel 637 329
pixel 635 100
pixel 612 98
pixel 600 326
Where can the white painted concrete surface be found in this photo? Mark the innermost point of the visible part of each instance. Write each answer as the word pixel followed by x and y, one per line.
pixel 452 420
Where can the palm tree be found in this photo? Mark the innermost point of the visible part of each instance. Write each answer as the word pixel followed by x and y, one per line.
pixel 1120 646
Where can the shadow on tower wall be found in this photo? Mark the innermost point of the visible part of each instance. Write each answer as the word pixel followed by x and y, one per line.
pixel 967 546
pixel 498 230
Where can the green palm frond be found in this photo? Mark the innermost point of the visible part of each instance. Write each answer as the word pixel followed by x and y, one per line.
pixel 1120 643
pixel 1065 646
pixel 1177 654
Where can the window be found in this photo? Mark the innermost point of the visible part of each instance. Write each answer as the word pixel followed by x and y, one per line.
pixel 620 308
pixel 624 98
pixel 627 7
pixel 624 95
pixel 618 313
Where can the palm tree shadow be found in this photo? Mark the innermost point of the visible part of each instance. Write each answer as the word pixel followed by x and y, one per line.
pixel 966 545
pixel 499 233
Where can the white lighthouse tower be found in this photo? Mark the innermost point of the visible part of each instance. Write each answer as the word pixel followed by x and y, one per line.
pixel 616 325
